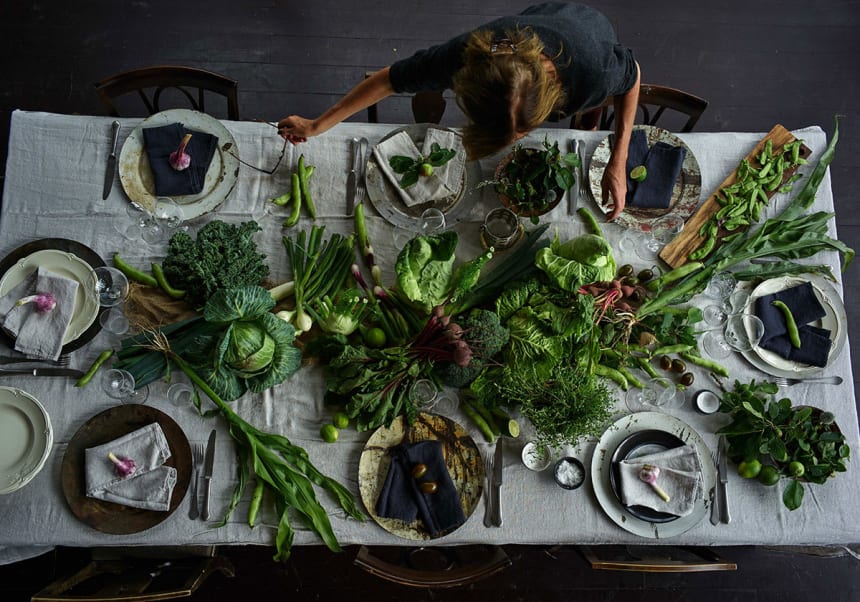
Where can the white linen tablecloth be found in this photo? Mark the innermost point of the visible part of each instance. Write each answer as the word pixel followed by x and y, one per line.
pixel 53 188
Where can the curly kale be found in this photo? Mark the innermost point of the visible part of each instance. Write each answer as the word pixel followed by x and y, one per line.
pixel 223 256
pixel 486 336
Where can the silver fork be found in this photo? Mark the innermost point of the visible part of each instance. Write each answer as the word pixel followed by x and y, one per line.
pixel 64 360
pixel 488 472
pixel 824 380
pixel 715 499
pixel 197 459
pixel 360 188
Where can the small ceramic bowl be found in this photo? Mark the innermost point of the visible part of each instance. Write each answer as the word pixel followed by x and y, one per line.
pixel 706 401
pixel 536 457
pixel 569 473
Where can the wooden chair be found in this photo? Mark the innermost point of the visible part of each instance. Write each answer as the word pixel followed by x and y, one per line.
pixel 151 82
pixel 654 100
pixel 138 575
pixel 433 567
pixel 427 107
pixel 656 559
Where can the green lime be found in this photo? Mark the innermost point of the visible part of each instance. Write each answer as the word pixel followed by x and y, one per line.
pixel 749 469
pixel 375 337
pixel 340 420
pixel 426 169
pixel 329 433
pixel 638 173
pixel 768 475
pixel 796 469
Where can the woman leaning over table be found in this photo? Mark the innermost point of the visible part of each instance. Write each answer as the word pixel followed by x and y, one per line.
pixel 509 76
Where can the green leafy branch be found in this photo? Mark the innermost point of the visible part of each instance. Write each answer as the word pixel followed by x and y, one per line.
pixel 410 168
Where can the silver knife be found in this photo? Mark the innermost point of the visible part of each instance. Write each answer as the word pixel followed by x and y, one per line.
pixel 573 193
pixel 208 469
pixel 351 179
pixel 715 492
pixel 111 162
pixel 498 464
pixel 723 472
pixel 44 372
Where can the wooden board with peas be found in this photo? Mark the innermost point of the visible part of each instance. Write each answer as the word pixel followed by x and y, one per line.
pixel 737 203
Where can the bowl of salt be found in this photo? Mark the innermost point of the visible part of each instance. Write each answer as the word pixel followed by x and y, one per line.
pixel 569 473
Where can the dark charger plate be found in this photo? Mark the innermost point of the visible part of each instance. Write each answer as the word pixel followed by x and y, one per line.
pixel 81 251
pixel 639 444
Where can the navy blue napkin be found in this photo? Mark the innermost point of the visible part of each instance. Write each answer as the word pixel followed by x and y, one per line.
pixel 805 307
pixel 402 498
pixel 160 141
pixel 663 163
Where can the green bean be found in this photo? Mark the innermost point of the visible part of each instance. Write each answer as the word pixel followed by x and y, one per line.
pixel 161 279
pixel 101 359
pixel 613 374
pixel 707 364
pixel 256 499
pixel 293 219
pixel 631 378
pixel 790 323
pixel 479 422
pixel 305 173
pixel 676 274
pixel 670 349
pixel 647 367
pixel 133 273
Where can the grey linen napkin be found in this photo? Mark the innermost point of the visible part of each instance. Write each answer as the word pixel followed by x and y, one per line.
pixel 39 335
pixel 446 179
pixel 680 477
pixel 149 487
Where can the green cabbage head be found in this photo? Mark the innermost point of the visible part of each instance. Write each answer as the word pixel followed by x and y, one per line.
pixel 582 260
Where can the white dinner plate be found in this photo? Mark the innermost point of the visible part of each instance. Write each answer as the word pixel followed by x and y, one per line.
pixel 136 175
pixel 685 195
pixel 26 438
pixel 601 466
pixel 69 266
pixel 835 320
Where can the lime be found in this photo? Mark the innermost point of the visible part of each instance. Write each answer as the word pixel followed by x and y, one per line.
pixel 796 469
pixel 340 420
pixel 768 475
pixel 749 469
pixel 375 337
pixel 426 169
pixel 638 173
pixel 329 433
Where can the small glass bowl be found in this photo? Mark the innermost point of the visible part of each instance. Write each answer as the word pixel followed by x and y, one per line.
pixel 569 473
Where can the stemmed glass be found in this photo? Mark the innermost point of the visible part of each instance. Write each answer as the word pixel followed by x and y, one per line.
pixel 119 384
pixel 663 230
pixel 432 221
pixel 741 333
pixel 110 286
pixel 169 214
pixel 721 288
pixel 658 393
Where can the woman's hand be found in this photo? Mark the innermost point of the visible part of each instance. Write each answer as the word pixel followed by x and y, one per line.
pixel 614 186
pixel 296 129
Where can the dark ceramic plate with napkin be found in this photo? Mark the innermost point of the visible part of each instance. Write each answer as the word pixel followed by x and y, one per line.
pixel 820 316
pixel 83 253
pixel 672 185
pixel 114 425
pixel 421 481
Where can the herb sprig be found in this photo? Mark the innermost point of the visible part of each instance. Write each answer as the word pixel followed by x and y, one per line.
pixel 410 168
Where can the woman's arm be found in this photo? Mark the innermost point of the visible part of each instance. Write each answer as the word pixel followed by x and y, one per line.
pixel 614 181
pixel 369 91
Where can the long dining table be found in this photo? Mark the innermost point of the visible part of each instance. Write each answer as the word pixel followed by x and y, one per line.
pixel 53 189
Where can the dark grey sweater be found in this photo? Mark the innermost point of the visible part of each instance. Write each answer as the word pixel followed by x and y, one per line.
pixel 592 64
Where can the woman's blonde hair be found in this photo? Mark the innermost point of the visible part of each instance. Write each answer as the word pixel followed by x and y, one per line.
pixel 504 89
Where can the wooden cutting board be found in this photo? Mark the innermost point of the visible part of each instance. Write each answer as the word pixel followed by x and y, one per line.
pixel 676 252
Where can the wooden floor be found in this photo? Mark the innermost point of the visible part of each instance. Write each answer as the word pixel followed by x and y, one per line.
pixel 792 62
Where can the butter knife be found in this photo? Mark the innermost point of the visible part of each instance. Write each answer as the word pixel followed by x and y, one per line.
pixel 715 494
pixel 498 465
pixel 111 162
pixel 44 372
pixel 573 192
pixel 723 472
pixel 351 179
pixel 208 469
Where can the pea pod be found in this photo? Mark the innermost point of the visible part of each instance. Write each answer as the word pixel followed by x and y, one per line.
pixel 709 365
pixel 674 275
pixel 631 378
pixel 161 279
pixel 612 374
pixel 282 200
pixel 305 173
pixel 133 273
pixel 293 219
pixel 101 359
pixel 256 500
pixel 790 323
pixel 479 422
pixel 670 349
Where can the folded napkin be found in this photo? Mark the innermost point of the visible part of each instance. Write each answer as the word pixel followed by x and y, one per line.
pixel 159 142
pixel 39 335
pixel 815 342
pixel 149 486
pixel 402 498
pixel 680 477
pixel 663 163
pixel 446 179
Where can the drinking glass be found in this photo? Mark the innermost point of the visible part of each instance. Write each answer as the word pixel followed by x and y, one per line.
pixel 663 230
pixel 658 393
pixel 180 394
pixel 114 320
pixel 169 214
pixel 501 228
pixel 423 394
pixel 720 286
pixel 110 286
pixel 119 384
pixel 741 333
pixel 432 221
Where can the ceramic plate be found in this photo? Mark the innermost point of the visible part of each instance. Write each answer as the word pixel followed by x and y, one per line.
pixel 461 455
pixel 685 196
pixel 63 264
pixel 601 468
pixel 104 427
pixel 26 438
pixel 835 320
pixel 387 201
pixel 136 176
pixel 639 444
